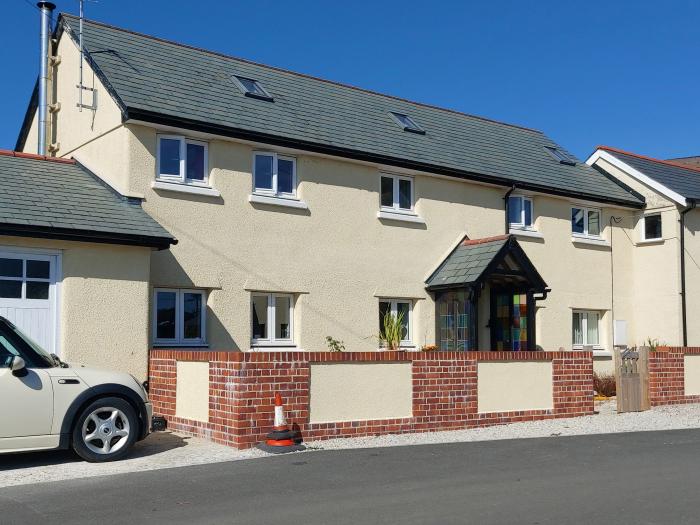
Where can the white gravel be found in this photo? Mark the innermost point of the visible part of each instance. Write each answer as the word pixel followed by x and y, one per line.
pixel 606 421
pixel 170 449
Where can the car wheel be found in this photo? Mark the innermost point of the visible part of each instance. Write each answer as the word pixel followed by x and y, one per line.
pixel 105 430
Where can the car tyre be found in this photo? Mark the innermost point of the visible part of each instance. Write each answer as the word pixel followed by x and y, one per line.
pixel 105 430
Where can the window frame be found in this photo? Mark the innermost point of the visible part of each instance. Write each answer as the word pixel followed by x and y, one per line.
pixel 586 212
pixel 273 192
pixel 394 208
pixel 521 225
pixel 271 340
pixel 413 126
pixel 24 279
pixel 266 94
pixel 181 178
pixel 560 156
pixel 644 227
pixel 393 305
pixel 179 339
pixel 584 328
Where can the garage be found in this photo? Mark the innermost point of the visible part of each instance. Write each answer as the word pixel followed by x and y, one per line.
pixel 28 294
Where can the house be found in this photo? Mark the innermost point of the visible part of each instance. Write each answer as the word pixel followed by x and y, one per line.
pixel 75 258
pixel 306 208
pixel 663 277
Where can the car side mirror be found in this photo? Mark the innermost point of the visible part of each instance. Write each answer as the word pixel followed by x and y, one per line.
pixel 17 365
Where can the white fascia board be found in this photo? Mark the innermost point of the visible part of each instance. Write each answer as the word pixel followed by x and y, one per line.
pixel 636 174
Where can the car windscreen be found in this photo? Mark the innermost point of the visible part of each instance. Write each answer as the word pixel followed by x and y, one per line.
pixel 15 343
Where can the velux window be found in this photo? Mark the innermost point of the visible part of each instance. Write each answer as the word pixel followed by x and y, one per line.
pixel 273 319
pixel 179 316
pixel 274 175
pixel 397 308
pixel 396 193
pixel 252 88
pixel 586 328
pixel 561 156
pixel 585 222
pixel 520 212
pixel 407 123
pixel 182 160
pixel 652 227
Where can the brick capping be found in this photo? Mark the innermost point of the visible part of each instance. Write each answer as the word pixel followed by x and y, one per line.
pixel 22 155
pixel 445 389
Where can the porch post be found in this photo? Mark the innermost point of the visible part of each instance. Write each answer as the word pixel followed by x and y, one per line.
pixel 531 331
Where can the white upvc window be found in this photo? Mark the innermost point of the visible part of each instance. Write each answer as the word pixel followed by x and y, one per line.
pixel 520 212
pixel 272 316
pixel 179 317
pixel 586 222
pixel 396 307
pixel 274 175
pixel 651 227
pixel 586 328
pixel 182 160
pixel 396 193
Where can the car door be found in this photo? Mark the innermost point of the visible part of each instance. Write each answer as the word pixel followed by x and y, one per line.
pixel 26 399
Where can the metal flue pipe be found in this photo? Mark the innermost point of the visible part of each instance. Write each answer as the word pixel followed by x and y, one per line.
pixel 46 8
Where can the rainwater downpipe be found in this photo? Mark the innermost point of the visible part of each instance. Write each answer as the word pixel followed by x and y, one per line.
pixel 507 206
pixel 684 312
pixel 46 8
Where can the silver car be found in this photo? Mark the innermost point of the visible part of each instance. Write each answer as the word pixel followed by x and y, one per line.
pixel 48 404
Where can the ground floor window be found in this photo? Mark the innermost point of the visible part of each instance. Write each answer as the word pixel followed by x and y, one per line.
pixel 273 319
pixel 179 316
pixel 455 321
pixel 586 328
pixel 402 310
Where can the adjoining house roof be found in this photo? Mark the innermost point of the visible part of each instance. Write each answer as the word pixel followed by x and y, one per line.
pixel 683 180
pixel 172 84
pixel 476 259
pixel 58 198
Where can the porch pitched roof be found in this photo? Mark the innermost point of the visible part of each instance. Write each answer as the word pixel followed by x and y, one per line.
pixel 476 259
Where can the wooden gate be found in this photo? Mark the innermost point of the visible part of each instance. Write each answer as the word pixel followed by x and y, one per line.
pixel 632 378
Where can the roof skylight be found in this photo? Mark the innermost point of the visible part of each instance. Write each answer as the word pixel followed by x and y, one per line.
pixel 407 123
pixel 559 155
pixel 252 88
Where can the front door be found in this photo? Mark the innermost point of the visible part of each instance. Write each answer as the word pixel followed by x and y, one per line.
pixel 510 320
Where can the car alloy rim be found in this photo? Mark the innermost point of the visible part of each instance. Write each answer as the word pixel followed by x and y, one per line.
pixel 106 430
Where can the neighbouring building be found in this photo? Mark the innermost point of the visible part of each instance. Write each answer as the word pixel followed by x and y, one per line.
pixel 305 208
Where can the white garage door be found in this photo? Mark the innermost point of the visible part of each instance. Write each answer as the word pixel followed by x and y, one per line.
pixel 28 294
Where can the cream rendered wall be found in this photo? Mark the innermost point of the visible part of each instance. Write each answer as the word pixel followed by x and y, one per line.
pixel 338 258
pixel 514 386
pixel 655 287
pixel 103 305
pixel 692 275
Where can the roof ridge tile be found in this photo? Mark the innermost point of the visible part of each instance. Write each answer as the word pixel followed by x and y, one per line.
pixel 34 156
pixel 645 157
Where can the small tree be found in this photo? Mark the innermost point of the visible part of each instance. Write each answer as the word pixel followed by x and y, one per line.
pixel 391 334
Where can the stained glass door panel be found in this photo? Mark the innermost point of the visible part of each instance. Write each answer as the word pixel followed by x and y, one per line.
pixel 510 320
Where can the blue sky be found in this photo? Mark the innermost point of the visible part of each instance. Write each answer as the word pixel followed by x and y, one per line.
pixel 622 73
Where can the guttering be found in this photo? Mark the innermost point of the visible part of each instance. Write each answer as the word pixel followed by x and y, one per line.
pixel 507 208
pixel 152 117
pixel 45 8
pixel 65 234
pixel 684 311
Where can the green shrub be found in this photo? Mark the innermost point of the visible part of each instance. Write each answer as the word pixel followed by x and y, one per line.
pixel 392 331
pixel 334 345
pixel 604 384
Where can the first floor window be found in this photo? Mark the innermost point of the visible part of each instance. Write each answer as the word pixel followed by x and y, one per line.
pixel 182 160
pixel 400 310
pixel 396 193
pixel 585 222
pixel 274 175
pixel 585 328
pixel 520 211
pixel 273 316
pixel 652 227
pixel 179 316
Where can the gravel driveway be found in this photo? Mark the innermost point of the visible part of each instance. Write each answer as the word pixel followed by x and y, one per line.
pixel 168 449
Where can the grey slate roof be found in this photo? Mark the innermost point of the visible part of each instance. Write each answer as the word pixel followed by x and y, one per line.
pixel 466 263
pixel 62 199
pixel 160 81
pixel 684 181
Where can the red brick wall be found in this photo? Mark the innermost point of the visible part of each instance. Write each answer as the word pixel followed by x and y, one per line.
pixel 666 376
pixel 242 387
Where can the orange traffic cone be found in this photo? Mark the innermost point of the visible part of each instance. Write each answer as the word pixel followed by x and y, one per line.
pixel 281 439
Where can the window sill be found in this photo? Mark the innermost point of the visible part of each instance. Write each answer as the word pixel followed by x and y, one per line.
pixel 650 241
pixel 185 188
pixel 180 345
pixel 592 241
pixel 402 217
pixel 272 345
pixel 598 351
pixel 523 232
pixel 277 201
